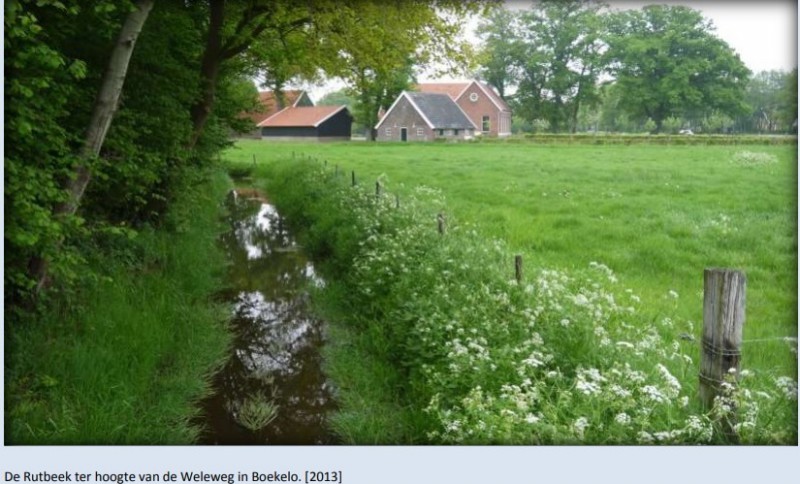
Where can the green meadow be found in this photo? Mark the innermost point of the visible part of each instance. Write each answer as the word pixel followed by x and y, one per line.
pixel 655 215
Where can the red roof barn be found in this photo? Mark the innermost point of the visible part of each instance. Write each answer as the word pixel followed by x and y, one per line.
pixel 321 123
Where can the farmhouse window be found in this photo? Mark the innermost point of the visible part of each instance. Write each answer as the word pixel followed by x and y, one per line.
pixel 441 132
pixel 420 132
pixel 486 124
pixel 388 131
pixel 473 96
pixel 455 132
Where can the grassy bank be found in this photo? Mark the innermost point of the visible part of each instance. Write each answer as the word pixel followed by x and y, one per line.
pixel 435 342
pixel 124 360
pixel 656 215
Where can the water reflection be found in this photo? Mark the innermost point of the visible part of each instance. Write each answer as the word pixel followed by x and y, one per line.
pixel 276 350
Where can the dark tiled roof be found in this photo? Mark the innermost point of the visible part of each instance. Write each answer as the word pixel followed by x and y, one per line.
pixel 440 110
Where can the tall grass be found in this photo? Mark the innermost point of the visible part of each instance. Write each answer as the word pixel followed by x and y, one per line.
pixel 656 215
pixel 460 352
pixel 125 360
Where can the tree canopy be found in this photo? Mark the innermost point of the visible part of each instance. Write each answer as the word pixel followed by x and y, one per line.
pixel 187 81
pixel 668 62
pixel 665 63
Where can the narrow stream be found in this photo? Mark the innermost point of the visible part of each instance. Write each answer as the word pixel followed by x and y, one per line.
pixel 272 390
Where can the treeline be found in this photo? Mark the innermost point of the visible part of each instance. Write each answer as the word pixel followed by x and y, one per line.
pixel 115 106
pixel 575 65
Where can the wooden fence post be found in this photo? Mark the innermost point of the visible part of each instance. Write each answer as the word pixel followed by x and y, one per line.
pixel 440 223
pixel 354 177
pixel 518 268
pixel 396 200
pixel 723 320
pixel 377 189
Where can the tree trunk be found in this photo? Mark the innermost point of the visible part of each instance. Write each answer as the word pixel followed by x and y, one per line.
pixel 105 106
pixel 209 71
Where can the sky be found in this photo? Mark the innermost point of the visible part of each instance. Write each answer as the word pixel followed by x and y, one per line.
pixel 763 33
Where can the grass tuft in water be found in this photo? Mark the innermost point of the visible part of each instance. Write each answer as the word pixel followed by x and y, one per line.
pixel 256 412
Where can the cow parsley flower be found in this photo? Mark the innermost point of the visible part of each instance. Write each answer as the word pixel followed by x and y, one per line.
pixel 622 418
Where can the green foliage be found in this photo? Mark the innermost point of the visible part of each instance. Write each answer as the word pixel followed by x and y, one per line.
pixel 650 207
pixel 39 82
pixel 566 356
pixel 772 100
pixel 53 69
pixel 561 62
pixel 501 49
pixel 125 360
pixel 551 53
pixel 668 62
pixel 788 110
pixel 672 125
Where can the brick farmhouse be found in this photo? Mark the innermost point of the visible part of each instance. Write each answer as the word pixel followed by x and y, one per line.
pixel 487 110
pixel 424 116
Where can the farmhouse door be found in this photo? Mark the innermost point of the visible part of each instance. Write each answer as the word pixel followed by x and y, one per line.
pixel 403 134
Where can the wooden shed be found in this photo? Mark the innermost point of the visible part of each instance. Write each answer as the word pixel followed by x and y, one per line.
pixel 269 103
pixel 315 123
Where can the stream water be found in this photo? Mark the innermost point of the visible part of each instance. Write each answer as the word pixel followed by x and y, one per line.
pixel 274 374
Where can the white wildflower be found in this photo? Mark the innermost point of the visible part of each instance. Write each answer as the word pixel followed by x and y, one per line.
pixel 788 386
pixel 654 394
pixel 644 437
pixel 620 391
pixel 622 418
pixel 580 426
pixel 531 418
pixel 672 382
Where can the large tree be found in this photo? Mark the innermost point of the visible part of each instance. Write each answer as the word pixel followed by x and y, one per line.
pixel 376 47
pixel 787 113
pixel 668 62
pixel 501 49
pixel 566 34
pixel 764 97
pixel 551 53
pixel 371 45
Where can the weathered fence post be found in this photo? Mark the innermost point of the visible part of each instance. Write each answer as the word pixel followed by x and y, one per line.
pixel 377 189
pixel 440 223
pixel 723 320
pixel 396 200
pixel 518 268
pixel 325 163
pixel 354 177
